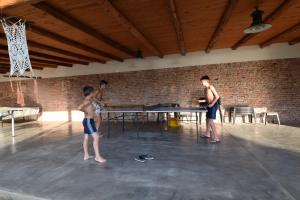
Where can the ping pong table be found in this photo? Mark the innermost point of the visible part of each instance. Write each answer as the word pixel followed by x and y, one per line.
pixel 145 110
pixel 8 112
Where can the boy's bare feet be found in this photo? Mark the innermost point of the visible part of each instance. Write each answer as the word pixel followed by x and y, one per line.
pixel 100 134
pixel 87 157
pixel 100 160
pixel 205 136
pixel 214 141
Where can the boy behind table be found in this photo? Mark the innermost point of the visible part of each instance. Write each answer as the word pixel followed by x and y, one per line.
pixel 213 101
pixel 89 124
pixel 98 103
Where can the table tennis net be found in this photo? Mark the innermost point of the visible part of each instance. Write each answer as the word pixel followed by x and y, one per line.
pixel 151 107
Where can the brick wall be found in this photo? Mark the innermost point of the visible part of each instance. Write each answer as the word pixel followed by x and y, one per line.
pixel 274 84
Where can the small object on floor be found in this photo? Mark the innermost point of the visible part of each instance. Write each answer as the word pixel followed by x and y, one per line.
pixel 140 159
pixel 215 141
pixel 173 122
pixel 148 157
pixel 100 134
pixel 144 157
pixel 205 136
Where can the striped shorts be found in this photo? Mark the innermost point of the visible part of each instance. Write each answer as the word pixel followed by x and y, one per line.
pixel 89 126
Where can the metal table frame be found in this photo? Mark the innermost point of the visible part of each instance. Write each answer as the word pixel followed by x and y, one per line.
pixel 145 111
pixel 10 112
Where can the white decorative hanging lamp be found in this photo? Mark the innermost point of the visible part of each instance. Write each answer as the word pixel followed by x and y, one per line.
pixel 17 47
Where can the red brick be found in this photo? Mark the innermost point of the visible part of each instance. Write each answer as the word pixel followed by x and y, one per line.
pixel 273 84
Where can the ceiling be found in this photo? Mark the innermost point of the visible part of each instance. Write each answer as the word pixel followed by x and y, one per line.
pixel 65 32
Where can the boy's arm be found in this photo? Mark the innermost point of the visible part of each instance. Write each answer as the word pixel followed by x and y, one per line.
pixel 83 105
pixel 98 101
pixel 99 95
pixel 215 95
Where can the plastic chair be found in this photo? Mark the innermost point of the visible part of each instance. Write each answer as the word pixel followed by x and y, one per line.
pixel 261 112
pixel 273 114
pixel 242 111
pixel 2 116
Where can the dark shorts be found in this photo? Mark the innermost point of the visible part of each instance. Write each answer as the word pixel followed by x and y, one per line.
pixel 89 126
pixel 212 112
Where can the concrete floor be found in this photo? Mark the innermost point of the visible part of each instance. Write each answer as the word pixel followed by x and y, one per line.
pixel 254 162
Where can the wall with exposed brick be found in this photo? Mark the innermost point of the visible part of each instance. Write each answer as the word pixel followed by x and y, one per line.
pixel 274 84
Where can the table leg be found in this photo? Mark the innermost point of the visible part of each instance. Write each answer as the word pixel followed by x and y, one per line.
pixel 123 122
pixel 140 127
pixel 197 128
pixel 12 124
pixel 161 122
pixel 167 121
pixel 200 118
pixel 108 125
pixel 143 122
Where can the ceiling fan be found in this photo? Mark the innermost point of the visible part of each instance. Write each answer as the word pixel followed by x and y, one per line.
pixel 258 25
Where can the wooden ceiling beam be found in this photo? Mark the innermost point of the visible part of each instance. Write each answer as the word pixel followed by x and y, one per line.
pixel 54 36
pixel 73 43
pixel 38 60
pixel 57 50
pixel 50 57
pixel 6 68
pixel 272 39
pixel 271 17
pixel 36 67
pixel 294 41
pixel 3 71
pixel 63 52
pixel 177 26
pixel 34 64
pixel 227 13
pixel 48 62
pixel 112 11
pixel 243 40
pixel 5 4
pixel 56 58
pixel 62 16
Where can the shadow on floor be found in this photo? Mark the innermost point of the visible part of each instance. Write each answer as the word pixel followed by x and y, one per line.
pixel 50 166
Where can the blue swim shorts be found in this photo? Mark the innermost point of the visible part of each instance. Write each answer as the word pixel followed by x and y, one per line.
pixel 212 112
pixel 89 126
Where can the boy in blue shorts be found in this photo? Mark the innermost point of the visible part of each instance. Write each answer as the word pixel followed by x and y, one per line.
pixel 89 124
pixel 213 103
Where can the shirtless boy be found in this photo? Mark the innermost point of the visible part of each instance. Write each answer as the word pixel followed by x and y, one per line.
pixel 89 124
pixel 213 101
pixel 98 103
